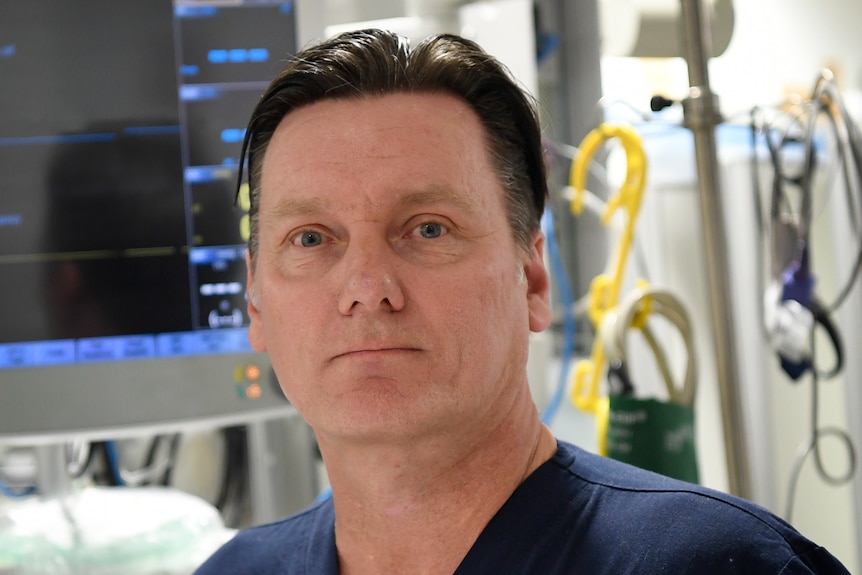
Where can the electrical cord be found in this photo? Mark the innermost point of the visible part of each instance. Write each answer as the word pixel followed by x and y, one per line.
pixel 789 229
pixel 825 99
pixel 789 247
pixel 233 493
pixel 812 446
pixel 113 458
pixel 634 311
pixel 79 456
pixel 152 472
pixel 569 326
pixel 106 451
pixel 167 463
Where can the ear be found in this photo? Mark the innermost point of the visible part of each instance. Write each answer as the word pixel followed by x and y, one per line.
pixel 538 285
pixel 255 328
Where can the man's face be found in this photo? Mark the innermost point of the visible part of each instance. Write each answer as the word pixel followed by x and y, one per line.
pixel 390 293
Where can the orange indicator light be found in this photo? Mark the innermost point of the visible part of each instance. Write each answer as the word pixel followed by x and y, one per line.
pixel 253 391
pixel 252 372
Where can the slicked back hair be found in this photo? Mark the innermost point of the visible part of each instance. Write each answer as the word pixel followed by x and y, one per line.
pixel 370 63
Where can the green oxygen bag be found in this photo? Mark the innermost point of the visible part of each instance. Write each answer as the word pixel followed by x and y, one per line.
pixel 654 435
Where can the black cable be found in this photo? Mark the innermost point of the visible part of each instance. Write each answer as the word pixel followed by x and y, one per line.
pixel 822 318
pixel 173 450
pixel 779 206
pixel 88 463
pixel 827 87
pixel 150 458
pixel 848 286
pixel 233 492
pixel 107 476
pixel 853 141
pixel 826 97
pixel 812 446
pixel 757 127
pixel 225 483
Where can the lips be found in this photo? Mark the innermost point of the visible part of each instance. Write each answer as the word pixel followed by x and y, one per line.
pixel 376 350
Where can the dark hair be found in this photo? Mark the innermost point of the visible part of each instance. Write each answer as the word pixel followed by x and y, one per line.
pixel 371 63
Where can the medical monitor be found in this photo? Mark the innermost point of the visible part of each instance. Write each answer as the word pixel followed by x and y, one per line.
pixel 122 256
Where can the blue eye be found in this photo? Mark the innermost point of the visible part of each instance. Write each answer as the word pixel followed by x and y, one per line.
pixel 310 239
pixel 431 230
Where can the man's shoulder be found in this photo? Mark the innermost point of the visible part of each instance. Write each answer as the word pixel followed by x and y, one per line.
pixel 284 546
pixel 631 492
pixel 647 512
pixel 640 490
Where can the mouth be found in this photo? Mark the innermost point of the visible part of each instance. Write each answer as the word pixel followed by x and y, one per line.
pixel 376 352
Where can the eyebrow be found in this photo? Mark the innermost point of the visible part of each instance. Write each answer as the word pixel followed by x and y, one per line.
pixel 434 194
pixel 293 207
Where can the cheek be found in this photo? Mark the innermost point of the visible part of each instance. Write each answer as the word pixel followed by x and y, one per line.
pixel 481 308
pixel 290 331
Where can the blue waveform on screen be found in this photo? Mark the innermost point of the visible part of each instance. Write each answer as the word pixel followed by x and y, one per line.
pixel 208 11
pixel 195 93
pixel 151 130
pixel 237 55
pixel 57 139
pixel 232 135
pixel 189 70
pixel 7 51
pixel 11 220
pixel 203 174
pixel 195 11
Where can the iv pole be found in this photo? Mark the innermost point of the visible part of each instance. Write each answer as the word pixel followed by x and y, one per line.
pixel 701 116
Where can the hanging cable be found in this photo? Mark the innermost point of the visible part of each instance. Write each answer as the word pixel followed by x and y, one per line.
pixel 569 326
pixel 812 446
pixel 633 312
pixel 79 456
pixel 791 307
pixel 113 460
pixel 825 100
pixel 233 493
pixel 154 471
pixel 792 310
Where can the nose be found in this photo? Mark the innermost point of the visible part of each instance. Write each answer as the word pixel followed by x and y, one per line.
pixel 370 280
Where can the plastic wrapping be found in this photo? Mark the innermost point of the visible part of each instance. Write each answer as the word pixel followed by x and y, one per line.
pixel 109 530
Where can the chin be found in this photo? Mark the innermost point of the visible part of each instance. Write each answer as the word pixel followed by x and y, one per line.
pixel 378 419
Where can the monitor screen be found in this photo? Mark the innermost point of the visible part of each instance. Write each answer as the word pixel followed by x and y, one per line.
pixel 122 254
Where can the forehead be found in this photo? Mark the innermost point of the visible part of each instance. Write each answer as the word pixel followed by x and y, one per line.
pixel 347 117
pixel 435 140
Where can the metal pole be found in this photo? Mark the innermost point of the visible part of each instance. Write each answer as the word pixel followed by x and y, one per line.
pixel 701 117
pixel 577 24
pixel 52 476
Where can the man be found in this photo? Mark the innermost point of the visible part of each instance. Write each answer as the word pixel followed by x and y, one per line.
pixel 395 272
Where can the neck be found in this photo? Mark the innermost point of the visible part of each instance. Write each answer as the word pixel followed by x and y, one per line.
pixel 418 506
